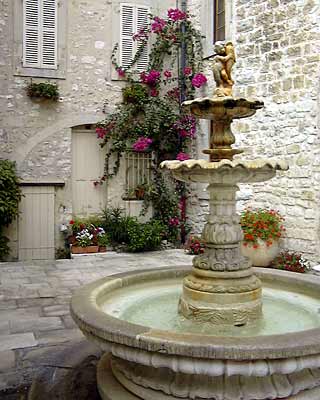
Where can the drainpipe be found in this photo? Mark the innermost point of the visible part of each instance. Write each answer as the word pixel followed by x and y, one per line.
pixel 182 60
pixel 183 55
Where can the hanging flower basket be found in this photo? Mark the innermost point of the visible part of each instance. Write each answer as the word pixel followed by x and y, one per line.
pixel 43 91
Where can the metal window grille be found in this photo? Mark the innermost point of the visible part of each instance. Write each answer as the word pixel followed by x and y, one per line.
pixel 219 23
pixel 138 171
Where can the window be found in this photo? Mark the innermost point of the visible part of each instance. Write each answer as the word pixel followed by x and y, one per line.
pixel 133 18
pixel 138 173
pixel 40 38
pixel 40 34
pixel 219 23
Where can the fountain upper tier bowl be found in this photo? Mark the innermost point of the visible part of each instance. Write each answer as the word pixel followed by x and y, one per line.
pixel 225 171
pixel 219 108
pixel 183 360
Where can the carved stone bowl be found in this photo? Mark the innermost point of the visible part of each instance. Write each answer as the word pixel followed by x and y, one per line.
pixel 225 171
pixel 219 108
pixel 154 364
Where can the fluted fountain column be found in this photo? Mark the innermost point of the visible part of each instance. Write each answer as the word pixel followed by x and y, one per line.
pixel 221 288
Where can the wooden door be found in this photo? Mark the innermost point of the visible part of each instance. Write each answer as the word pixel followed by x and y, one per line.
pixel 36 223
pixel 87 167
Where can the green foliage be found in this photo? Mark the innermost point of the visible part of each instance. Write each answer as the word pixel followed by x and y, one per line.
pixel 4 248
pixel 135 94
pixel 10 192
pixel 116 225
pixel 10 195
pixel 122 229
pixel 145 237
pixel 151 111
pixel 103 240
pixel 62 253
pixel 44 90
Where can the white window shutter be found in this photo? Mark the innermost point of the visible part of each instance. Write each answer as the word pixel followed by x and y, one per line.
pixel 142 23
pixel 31 33
pixel 40 33
pixel 49 34
pixel 127 12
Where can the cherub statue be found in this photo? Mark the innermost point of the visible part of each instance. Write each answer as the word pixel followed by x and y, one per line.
pixel 222 64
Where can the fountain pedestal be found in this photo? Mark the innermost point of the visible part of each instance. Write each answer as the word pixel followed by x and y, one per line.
pixel 222 288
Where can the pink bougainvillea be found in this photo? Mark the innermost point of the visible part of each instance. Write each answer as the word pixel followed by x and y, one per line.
pixel 154 92
pixel 167 74
pixel 182 156
pixel 142 34
pixel 174 221
pixel 187 71
pixel 198 80
pixel 174 14
pixel 186 126
pixel 174 94
pixel 158 25
pixel 151 78
pixel 142 144
pixel 101 132
pixel 121 72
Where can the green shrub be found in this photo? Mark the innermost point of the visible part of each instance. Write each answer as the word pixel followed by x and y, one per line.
pixel 10 195
pixel 116 224
pixel 10 192
pixel 144 237
pixel 136 94
pixel 62 253
pixel 122 229
pixel 4 247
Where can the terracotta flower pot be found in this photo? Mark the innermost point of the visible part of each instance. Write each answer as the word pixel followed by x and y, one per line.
pixel 84 250
pixel 102 249
pixel 263 255
pixel 92 249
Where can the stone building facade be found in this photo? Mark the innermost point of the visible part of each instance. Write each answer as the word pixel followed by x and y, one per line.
pixel 278 62
pixel 278 47
pixel 39 135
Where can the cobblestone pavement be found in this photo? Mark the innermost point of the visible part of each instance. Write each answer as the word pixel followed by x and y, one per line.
pixel 34 305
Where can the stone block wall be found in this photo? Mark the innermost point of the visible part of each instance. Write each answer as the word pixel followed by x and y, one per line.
pixel 37 135
pixel 278 61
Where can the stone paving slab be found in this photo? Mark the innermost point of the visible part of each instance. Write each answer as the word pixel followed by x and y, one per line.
pixel 17 341
pixel 35 321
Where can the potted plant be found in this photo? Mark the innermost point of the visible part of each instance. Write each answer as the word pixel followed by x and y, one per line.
pixel 43 91
pixel 262 229
pixel 139 192
pixel 103 242
pixel 291 261
pixel 84 243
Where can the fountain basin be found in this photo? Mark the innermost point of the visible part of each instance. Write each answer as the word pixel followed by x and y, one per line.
pixel 242 363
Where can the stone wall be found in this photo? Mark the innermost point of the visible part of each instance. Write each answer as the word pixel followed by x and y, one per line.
pixel 278 50
pixel 38 135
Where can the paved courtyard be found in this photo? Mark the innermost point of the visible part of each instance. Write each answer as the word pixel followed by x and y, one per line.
pixel 34 306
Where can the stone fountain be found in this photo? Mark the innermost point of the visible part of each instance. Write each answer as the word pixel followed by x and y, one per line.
pixel 231 333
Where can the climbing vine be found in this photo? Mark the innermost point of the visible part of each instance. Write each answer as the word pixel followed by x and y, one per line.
pixel 150 117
